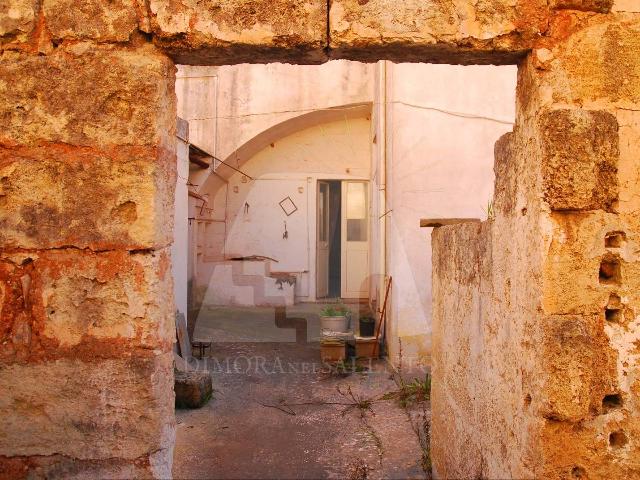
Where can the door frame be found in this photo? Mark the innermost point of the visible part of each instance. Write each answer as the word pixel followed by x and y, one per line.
pixel 327 223
pixel 342 222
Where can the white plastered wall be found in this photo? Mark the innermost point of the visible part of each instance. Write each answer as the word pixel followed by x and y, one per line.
pixel 228 106
pixel 255 222
pixel 442 124
pixel 180 246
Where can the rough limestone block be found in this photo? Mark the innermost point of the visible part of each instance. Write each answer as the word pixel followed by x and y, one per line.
pixel 17 18
pixel 90 96
pixel 437 31
pixel 583 451
pixel 89 305
pixel 598 67
pixel 193 388
pixel 577 249
pixel 456 366
pixel 580 157
pixel 110 409
pixel 628 165
pixel 579 367
pixel 113 21
pixel 504 197
pixel 236 31
pixel 58 195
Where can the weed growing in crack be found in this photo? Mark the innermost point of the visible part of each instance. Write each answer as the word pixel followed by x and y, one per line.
pixel 422 429
pixel 364 406
pixel 411 395
pixel 356 401
pixel 418 391
pixel 375 437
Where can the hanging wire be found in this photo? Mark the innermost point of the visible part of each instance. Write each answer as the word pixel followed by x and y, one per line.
pixel 356 107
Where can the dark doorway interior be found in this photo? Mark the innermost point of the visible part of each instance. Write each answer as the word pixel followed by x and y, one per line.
pixel 335 239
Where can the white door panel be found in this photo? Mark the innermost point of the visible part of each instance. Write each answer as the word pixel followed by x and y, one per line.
pixel 355 239
pixel 357 263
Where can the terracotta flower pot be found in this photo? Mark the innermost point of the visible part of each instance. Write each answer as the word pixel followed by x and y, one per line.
pixel 333 351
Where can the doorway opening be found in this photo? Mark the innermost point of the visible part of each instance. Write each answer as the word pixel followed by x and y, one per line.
pixel 329 248
pixel 342 249
pixel 306 186
pixel 335 238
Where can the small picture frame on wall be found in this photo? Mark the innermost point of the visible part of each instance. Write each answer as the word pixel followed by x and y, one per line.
pixel 288 207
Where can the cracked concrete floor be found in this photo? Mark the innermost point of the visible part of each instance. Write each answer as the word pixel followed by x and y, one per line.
pixel 236 436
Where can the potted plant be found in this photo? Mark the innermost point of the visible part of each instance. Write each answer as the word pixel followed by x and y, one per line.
pixel 334 318
pixel 367 326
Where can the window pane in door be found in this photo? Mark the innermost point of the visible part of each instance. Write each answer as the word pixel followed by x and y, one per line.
pixel 356 212
pixel 356 200
pixel 356 230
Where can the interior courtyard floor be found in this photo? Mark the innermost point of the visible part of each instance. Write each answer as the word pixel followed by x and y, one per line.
pixel 257 324
pixel 278 412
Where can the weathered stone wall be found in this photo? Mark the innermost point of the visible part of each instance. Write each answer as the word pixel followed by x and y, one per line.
pixel 536 335
pixel 86 312
pixel 87 168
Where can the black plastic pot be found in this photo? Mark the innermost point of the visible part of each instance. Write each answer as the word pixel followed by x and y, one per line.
pixel 367 327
